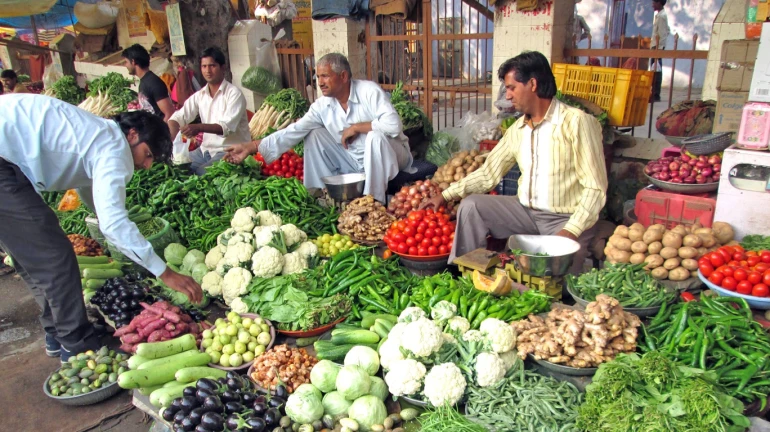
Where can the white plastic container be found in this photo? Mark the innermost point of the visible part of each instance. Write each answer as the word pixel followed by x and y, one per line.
pixel 754 133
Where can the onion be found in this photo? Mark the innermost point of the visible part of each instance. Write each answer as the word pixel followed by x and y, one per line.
pixel 707 172
pixel 415 202
pixel 656 176
pixel 423 188
pixel 692 162
pixel 673 166
pixel 685 158
pixel 703 158
pixel 648 170
pixel 427 183
pixel 717 167
pixel 716 177
pixel 700 179
pixel 418 183
pixel 400 196
pixel 701 164
pixel 715 159
pixel 663 175
pixel 664 168
pixel 657 168
pixel 677 180
pixel 689 180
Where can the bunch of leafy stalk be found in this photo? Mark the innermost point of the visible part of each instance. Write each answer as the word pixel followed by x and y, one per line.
pixel 411 115
pixel 114 86
pixel 67 90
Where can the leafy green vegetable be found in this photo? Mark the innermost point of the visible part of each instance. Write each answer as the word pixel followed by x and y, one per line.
pixel 289 100
pixel 23 78
pixel 756 242
pixel 441 148
pixel 116 87
pixel 260 80
pixel 602 118
pixel 411 115
pixel 174 254
pixel 66 89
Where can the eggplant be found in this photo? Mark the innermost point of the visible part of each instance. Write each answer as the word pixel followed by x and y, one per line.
pixel 188 404
pixel 255 424
pixel 232 374
pixel 233 407
pixel 179 416
pixel 196 415
pixel 137 293
pixel 234 383
pixel 276 402
pixel 222 381
pixel 260 408
pixel 187 424
pixel 281 392
pixel 272 417
pixel 213 404
pixel 208 384
pixel 201 428
pixel 213 421
pixel 202 394
pixel 248 398
pixel 123 305
pixel 232 422
pixel 261 399
pixel 188 391
pixel 230 396
pixel 168 414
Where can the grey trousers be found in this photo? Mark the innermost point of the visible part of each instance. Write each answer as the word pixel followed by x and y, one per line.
pixel 504 216
pixel 44 258
pixel 199 160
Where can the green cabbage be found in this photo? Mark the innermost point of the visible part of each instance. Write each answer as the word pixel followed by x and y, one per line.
pixel 304 407
pixel 334 403
pixel 260 80
pixel 365 357
pixel 378 387
pixel 324 375
pixel 353 382
pixel 194 256
pixel 308 388
pixel 174 254
pixel 367 411
pixel 198 271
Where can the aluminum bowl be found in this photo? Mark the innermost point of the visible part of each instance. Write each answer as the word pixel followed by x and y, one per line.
pixel 684 188
pixel 560 250
pixel 90 398
pixel 753 301
pixel 345 187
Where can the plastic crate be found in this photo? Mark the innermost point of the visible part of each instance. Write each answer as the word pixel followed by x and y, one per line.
pixel 487 145
pixel 509 185
pixel 671 209
pixel 671 152
pixel 623 93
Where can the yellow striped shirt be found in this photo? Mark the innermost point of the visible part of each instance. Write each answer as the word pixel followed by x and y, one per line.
pixel 562 166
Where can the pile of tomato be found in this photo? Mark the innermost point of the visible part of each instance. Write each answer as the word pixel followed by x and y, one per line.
pixel 421 233
pixel 290 164
pixel 735 269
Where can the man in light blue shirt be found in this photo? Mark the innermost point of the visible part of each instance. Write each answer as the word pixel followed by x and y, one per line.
pixel 50 145
pixel 353 128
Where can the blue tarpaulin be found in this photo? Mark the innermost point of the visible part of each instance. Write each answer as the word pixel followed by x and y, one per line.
pixel 60 15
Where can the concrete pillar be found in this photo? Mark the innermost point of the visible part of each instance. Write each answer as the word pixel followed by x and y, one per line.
pixel 344 36
pixel 546 29
pixel 730 24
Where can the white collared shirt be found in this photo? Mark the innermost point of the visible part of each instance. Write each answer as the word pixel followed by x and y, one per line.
pixel 59 146
pixel 367 103
pixel 227 109
pixel 660 29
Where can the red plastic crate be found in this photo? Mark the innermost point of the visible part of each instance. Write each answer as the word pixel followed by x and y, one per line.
pixel 654 206
pixel 671 151
pixel 487 145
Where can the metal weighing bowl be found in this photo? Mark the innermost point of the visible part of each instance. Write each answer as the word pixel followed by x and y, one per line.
pixel 640 312
pixel 90 398
pixel 345 187
pixel 415 402
pixel 560 252
pixel 676 141
pixel 684 188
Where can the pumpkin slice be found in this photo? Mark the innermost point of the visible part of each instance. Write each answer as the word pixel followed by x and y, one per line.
pixel 500 285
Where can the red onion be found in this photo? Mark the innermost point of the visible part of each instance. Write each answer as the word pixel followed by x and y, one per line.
pixel 412 190
pixel 707 172
pixel 657 168
pixel 673 166
pixel 716 177
pixel 700 179
pixel 415 202
pixel 664 168
pixel 703 158
pixel 677 180
pixel 692 162
pixel 689 180
pixel 648 170
pixel 685 158
pixel 663 175
pixel 717 167
pixel 701 164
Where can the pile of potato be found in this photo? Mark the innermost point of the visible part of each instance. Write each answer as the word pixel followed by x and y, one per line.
pixel 460 165
pixel 669 254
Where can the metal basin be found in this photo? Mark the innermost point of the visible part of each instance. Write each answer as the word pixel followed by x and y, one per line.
pixel 345 187
pixel 560 251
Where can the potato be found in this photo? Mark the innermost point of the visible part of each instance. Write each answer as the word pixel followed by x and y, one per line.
pixel 473 153
pixel 479 159
pixel 635 234
pixel 659 273
pixel 687 252
pixel 708 240
pixel 651 236
pixel 622 244
pixel 638 247
pixel 668 252
pixel 654 247
pixel 702 231
pixel 723 232
pixel 637 226
pixel 653 261
pixel 621 256
pixel 702 251
pixel 679 229
pixel 658 227
pixel 672 239
pixel 671 263
pixel 459 176
pixel 692 240
pixel 622 231
pixel 637 258
pixel 608 251
pixel 679 274
pixel 690 264
pixel 694 273
pixel 695 226
pixel 456 162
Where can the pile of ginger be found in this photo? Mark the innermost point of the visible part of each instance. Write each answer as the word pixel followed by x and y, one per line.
pixel 576 338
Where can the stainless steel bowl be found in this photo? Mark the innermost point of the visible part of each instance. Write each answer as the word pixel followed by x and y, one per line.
pixel 345 187
pixel 560 251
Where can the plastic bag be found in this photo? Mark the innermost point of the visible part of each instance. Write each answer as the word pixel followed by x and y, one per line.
pixel 69 202
pixel 442 146
pixel 265 77
pixel 51 74
pixel 274 13
pixel 476 128
pixel 181 152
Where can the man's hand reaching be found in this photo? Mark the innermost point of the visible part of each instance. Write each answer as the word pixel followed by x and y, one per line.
pixel 236 153
pixel 348 135
pixel 567 234
pixel 184 284
pixel 434 203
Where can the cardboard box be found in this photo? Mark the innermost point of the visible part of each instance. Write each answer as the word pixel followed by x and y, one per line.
pixel 737 65
pixel 760 81
pixel 729 111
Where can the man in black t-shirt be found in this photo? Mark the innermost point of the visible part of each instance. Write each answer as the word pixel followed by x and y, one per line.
pixel 153 93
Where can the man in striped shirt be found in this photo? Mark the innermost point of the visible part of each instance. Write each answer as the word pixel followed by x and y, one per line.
pixel 563 180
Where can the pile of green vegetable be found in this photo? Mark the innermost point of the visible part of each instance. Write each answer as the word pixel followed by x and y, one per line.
pixel 445 419
pixel 715 336
pixel 87 372
pixel 756 242
pixel 653 393
pixel 261 80
pixel 442 147
pixel 630 284
pixel 74 222
pixel 411 115
pixel 602 118
pixel 67 90
pixel 146 182
pixel 115 87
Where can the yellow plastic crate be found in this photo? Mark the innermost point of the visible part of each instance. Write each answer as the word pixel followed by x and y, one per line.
pixel 623 93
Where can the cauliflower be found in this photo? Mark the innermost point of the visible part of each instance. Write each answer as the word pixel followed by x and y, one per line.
pixel 443 311
pixel 212 284
pixel 390 353
pixel 238 255
pixel 422 338
pixel 244 219
pixel 267 262
pixel 224 238
pixel 444 385
pixel 501 336
pixel 397 332
pixel 238 306
pixel 490 369
pixel 411 314
pixel 247 238
pixel 235 284
pixel 509 359
pixel 213 257
pixel 449 338
pixel 223 267
pixel 293 263
pixel 268 218
pixel 473 336
pixel 309 252
pixel 405 377
pixel 292 235
pixel 458 325
pixel 271 236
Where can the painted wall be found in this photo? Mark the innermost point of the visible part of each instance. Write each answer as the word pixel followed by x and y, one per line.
pixel 685 17
pixel 474 57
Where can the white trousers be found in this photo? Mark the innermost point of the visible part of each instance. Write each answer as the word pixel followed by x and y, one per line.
pixel 380 158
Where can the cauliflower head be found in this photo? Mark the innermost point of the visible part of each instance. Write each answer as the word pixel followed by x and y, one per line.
pixel 268 218
pixel 224 238
pixel 473 336
pixel 308 250
pixel 265 236
pixel 443 311
pixel 490 369
pixel 223 267
pixel 405 377
pixel 238 306
pixel 501 336
pixel 212 284
pixel 267 262
pixel 449 338
pixel 235 283
pixel 292 235
pixel 390 352
pixel 444 385
pixel 509 359
pixel 397 332
pixel 213 257
pixel 239 254
pixel 244 219
pixel 422 338
pixel 411 314
pixel 293 263
pixel 240 237
pixel 458 325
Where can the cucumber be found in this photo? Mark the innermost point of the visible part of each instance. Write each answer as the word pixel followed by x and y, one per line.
pixel 163 396
pixel 303 342
pixel 87 260
pixel 387 324
pixel 336 352
pixel 163 360
pixel 164 349
pixel 341 331
pixel 359 337
pixel 368 321
pixel 95 283
pixel 192 374
pixel 380 329
pixel 160 374
pixel 343 326
pixel 147 390
pixel 140 217
pixel 95 273
pixel 135 361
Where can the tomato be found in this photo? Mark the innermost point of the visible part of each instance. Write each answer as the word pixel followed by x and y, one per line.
pixel 422 251
pixel 754 260
pixel 446 240
pixel 387 254
pixel 716 278
pixel 442 250
pixel 739 256
pixel 725 254
pixel 729 249
pixel 386 238
pixel 446 230
pixel 492 192
pixel 744 287
pixel 766 279
pixel 279 173
pixel 734 264
pixel 765 255
pixel 410 241
pixel 436 241
pixel 429 233
pixel 762 267
pixel 433 250
pixel 415 215
pixel 410 231
pixel 760 290
pixel 727 271
pixel 432 225
pixel 394 225
pixel 413 250
pixel 706 269
pixel 738 248
pixel 452 236
pixel 740 274
pixel 401 225
pixel 421 228
pixel 704 259
pixel 729 283
pixel 687 297
pixel 752 253
pixel 425 242
pixel 419 237
pixel 716 259
pixel 398 237
pixel 402 248
pixel 413 223
pixel 754 277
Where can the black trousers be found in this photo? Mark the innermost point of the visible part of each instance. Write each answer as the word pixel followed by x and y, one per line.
pixel 44 258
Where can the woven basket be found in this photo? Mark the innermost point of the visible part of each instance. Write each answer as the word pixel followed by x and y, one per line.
pixel 159 241
pixel 707 144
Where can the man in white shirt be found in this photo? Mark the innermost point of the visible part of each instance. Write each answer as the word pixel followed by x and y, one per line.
pixel 353 128
pixel 50 145
pixel 222 109
pixel 660 32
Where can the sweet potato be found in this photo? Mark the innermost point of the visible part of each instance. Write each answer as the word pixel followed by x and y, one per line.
pixel 159 335
pixel 128 348
pixel 132 338
pixel 130 328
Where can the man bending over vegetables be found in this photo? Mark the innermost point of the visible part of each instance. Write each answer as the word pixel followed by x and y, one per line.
pixel 222 109
pixel 50 145
pixel 353 128
pixel 563 180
